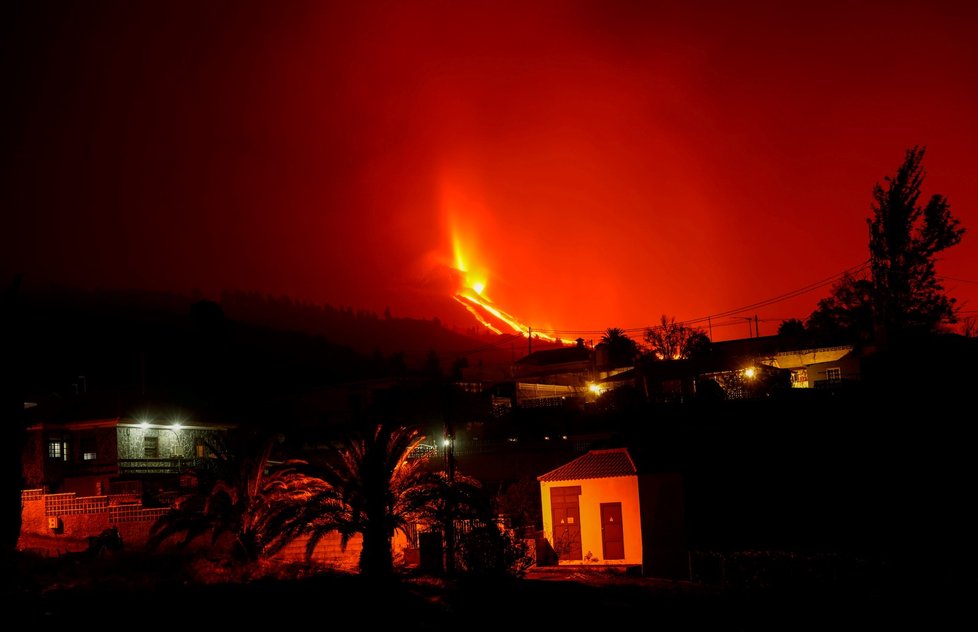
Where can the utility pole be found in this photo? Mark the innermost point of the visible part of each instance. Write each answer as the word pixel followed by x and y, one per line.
pixel 710 323
pixel 748 319
pixel 757 331
pixel 529 340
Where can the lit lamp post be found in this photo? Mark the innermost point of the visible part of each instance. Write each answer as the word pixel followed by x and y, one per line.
pixel 449 443
pixel 750 375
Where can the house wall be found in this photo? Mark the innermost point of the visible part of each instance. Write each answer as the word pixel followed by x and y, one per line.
pixel 74 473
pixel 172 443
pixel 79 517
pixel 622 489
pixel 329 552
pixel 76 518
pixel 665 552
pixel 33 460
pixel 110 443
pixel 848 365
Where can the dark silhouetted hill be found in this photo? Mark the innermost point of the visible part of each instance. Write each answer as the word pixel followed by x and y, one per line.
pixel 239 357
pixel 369 333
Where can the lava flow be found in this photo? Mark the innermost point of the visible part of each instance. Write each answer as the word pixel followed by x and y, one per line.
pixel 472 297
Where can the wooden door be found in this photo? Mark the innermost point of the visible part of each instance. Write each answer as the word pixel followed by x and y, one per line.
pixel 612 533
pixel 565 509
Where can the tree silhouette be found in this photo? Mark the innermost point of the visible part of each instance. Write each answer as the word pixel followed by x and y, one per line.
pixel 432 365
pixel 846 315
pixel 621 348
pixel 670 340
pixel 440 499
pixel 791 328
pixel 232 490
pixel 369 488
pixel 904 238
pixel 12 349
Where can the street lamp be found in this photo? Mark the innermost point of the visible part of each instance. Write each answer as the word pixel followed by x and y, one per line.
pixel 175 428
pixel 449 443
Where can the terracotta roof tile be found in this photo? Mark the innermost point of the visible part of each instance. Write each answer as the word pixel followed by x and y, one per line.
pixel 594 464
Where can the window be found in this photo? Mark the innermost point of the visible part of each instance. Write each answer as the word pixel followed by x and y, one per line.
pixel 833 374
pixel 799 378
pixel 200 450
pixel 88 448
pixel 54 449
pixel 151 447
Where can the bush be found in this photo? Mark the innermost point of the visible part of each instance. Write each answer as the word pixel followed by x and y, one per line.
pixel 489 551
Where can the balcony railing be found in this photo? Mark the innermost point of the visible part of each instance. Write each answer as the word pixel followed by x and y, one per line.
pixel 174 465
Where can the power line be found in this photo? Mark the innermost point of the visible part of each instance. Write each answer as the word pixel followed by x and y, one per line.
pixel 714 319
pixel 734 312
pixel 949 278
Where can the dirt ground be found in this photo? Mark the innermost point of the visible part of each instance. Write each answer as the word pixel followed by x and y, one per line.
pixel 160 591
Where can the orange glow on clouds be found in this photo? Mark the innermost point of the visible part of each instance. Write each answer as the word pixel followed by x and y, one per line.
pixel 586 165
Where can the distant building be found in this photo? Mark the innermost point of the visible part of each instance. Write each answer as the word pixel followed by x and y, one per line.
pixel 96 457
pixel 550 376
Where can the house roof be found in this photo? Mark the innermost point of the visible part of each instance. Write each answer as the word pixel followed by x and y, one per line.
pixel 113 422
pixel 804 357
pixel 546 357
pixel 594 464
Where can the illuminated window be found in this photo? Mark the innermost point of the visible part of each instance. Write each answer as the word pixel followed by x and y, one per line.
pixel 200 450
pixel 833 374
pixel 151 447
pixel 88 448
pixel 54 449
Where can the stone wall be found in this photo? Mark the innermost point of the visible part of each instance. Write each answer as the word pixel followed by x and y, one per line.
pixel 55 523
pixel 329 552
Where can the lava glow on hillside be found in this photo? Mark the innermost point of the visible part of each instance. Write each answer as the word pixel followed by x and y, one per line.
pixel 471 294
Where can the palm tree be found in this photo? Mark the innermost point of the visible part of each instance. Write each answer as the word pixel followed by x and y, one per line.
pixel 440 499
pixel 369 488
pixel 621 348
pixel 228 499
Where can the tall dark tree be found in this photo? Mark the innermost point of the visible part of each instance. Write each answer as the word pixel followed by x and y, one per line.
pixel 621 349
pixel 13 438
pixel 791 328
pixel 904 240
pixel 432 365
pixel 846 315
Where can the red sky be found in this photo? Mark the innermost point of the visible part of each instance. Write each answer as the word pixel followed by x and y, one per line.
pixel 600 163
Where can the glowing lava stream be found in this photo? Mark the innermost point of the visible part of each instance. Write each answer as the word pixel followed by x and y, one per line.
pixel 471 296
pixel 472 299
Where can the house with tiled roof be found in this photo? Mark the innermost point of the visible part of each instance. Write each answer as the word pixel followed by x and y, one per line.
pixel 600 509
pixel 548 376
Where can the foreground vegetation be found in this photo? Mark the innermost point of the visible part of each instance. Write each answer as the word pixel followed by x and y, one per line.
pixel 162 590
